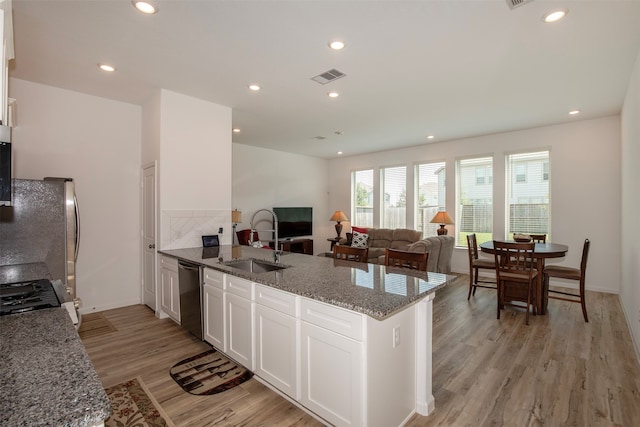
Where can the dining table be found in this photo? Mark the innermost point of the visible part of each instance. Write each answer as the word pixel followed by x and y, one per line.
pixel 542 252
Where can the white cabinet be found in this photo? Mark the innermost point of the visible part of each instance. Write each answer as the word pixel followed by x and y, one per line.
pixel 213 309
pixel 276 333
pixel 333 363
pixel 170 292
pixel 238 297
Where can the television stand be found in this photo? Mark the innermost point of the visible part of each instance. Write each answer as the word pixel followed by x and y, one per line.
pixel 300 246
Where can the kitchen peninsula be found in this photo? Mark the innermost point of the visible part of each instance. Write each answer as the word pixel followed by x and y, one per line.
pixel 350 342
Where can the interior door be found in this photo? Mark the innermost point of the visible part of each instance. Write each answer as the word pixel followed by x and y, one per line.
pixel 149 294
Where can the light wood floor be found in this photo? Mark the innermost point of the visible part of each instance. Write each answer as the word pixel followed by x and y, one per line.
pixel 558 371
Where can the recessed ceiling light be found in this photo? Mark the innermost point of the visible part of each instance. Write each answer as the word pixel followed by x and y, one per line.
pixel 339 153
pixel 106 67
pixel 430 137
pixel 554 16
pixel 145 7
pixel 336 44
pixel 333 94
pixel 574 112
pixel 236 130
pixel 254 88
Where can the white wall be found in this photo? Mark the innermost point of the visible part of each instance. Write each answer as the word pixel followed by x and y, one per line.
pixel 267 178
pixel 630 288
pixel 96 142
pixel 585 186
pixel 194 170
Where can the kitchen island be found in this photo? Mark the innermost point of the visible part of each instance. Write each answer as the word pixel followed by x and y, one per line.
pixel 350 342
pixel 46 377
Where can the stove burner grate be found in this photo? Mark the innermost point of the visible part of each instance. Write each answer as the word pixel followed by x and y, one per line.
pixel 27 296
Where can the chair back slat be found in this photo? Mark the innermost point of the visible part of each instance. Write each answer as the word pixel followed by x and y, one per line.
pixel 472 244
pixel 406 259
pixel 349 253
pixel 514 257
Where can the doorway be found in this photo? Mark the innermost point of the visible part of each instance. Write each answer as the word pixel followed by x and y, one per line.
pixel 149 294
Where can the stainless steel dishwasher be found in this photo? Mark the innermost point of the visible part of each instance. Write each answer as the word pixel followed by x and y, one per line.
pixel 190 307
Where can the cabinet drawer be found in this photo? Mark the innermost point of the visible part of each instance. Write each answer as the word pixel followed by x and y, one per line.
pixel 213 278
pixel 334 319
pixel 169 263
pixel 241 287
pixel 281 301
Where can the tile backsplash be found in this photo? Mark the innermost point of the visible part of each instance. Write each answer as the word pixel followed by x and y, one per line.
pixel 184 229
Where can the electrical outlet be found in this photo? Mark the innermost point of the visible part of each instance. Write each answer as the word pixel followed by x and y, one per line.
pixel 396 336
pixel 220 230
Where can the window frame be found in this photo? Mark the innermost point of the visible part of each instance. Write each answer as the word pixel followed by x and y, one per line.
pixel 531 182
pixel 382 201
pixel 429 229
pixel 459 240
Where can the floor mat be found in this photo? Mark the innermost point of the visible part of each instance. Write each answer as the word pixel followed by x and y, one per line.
pixel 209 373
pixel 95 324
pixel 133 405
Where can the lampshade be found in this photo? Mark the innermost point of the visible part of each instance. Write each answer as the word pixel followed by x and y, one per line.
pixel 338 216
pixel 236 216
pixel 442 218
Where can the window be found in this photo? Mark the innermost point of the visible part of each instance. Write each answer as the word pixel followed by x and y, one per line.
pixel 528 199
pixel 474 199
pixel 521 173
pixel 429 195
pixel 362 198
pixel 393 212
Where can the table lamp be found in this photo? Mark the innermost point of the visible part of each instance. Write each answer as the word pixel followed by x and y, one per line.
pixel 442 218
pixel 338 216
pixel 236 217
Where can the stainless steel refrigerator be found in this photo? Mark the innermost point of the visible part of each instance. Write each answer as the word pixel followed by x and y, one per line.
pixel 42 226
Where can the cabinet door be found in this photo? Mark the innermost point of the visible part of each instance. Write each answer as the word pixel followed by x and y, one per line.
pixel 170 293
pixel 239 329
pixel 214 317
pixel 276 349
pixel 332 375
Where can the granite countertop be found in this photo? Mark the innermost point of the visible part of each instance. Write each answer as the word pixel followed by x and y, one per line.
pixel 370 289
pixel 46 376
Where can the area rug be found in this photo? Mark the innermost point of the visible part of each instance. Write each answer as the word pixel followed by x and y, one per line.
pixel 209 373
pixel 133 405
pixel 95 324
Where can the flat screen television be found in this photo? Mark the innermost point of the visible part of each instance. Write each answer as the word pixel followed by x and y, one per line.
pixel 294 222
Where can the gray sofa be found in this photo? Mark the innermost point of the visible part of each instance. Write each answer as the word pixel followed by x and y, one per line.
pixel 440 248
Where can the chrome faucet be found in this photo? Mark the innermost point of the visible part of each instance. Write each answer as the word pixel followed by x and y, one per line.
pixel 277 251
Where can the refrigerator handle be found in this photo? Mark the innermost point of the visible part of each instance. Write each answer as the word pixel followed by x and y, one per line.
pixel 75 203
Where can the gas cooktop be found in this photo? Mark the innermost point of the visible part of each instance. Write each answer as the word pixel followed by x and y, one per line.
pixel 27 296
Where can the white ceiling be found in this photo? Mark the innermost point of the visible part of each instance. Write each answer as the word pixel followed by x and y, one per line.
pixel 449 68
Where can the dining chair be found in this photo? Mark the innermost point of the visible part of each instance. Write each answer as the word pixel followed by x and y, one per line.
pixel 571 274
pixel 515 275
pixel 476 263
pixel 348 253
pixel 406 259
pixel 243 236
pixel 538 238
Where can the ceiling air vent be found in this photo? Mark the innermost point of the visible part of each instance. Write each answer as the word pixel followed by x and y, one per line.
pixel 517 3
pixel 328 76
pixel 320 138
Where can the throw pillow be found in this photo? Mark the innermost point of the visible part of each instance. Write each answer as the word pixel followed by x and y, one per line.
pixel 359 240
pixel 359 229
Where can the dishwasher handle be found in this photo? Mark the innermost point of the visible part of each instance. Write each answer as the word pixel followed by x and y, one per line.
pixel 189 267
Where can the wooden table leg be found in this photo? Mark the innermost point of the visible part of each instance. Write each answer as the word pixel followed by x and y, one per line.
pixel 541 298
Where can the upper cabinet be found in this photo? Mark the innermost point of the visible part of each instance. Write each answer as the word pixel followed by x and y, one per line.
pixel 7 54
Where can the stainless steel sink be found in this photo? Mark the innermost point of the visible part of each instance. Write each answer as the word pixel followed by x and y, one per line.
pixel 253 265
